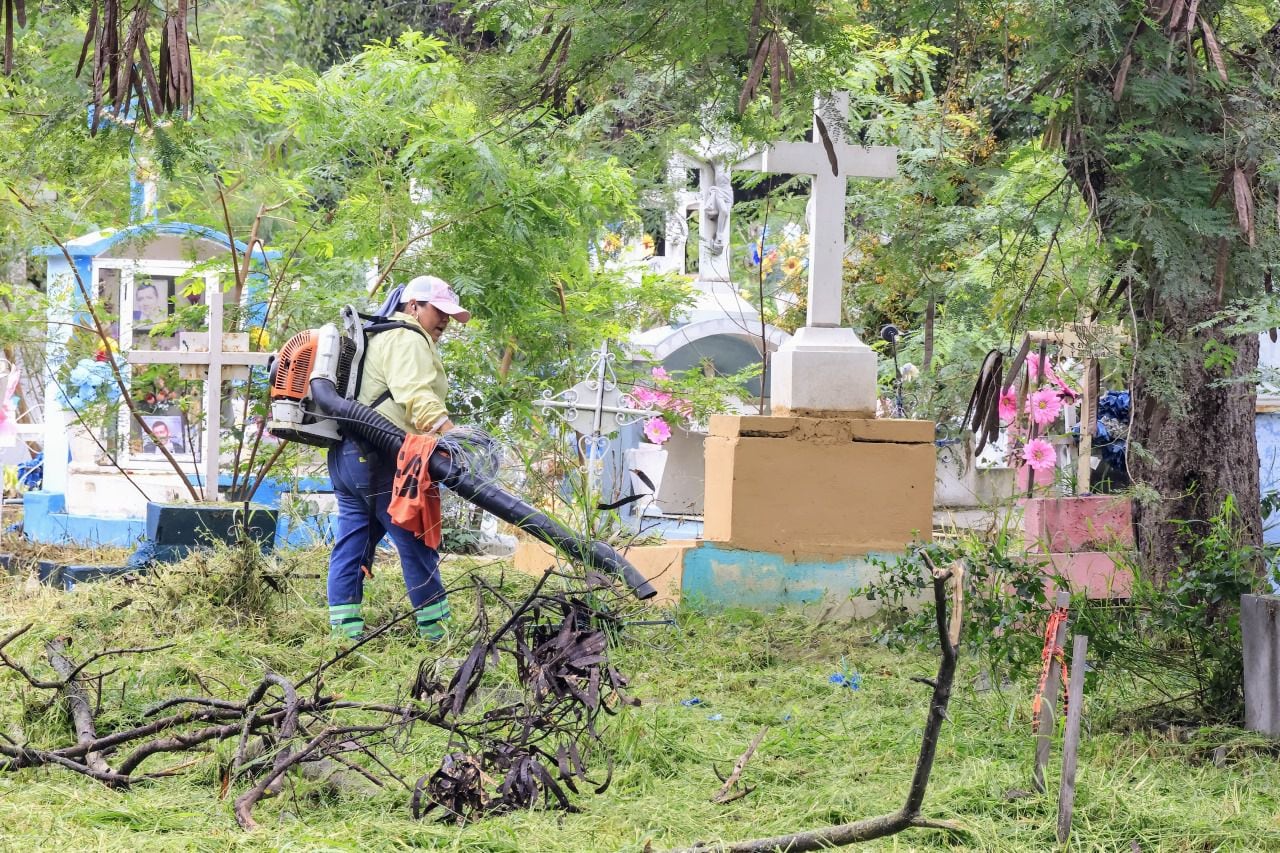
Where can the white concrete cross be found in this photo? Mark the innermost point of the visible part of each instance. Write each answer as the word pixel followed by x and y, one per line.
pixel 678 200
pixel 713 199
pixel 214 356
pixel 715 189
pixel 829 185
pixel 825 368
pixel 717 297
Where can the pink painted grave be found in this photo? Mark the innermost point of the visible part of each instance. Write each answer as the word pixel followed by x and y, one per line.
pixel 1078 536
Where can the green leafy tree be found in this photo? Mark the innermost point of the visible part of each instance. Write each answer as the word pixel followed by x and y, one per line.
pixel 1163 115
pixel 335 31
pixel 379 168
pixel 1153 124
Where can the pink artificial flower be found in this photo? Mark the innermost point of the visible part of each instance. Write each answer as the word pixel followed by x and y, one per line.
pixel 1034 366
pixel 644 396
pixel 1039 455
pixel 1036 370
pixel 656 430
pixel 1008 405
pixel 1067 394
pixel 659 373
pixel 8 411
pixel 1044 406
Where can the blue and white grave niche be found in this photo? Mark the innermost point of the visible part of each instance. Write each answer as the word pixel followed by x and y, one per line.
pixel 146 280
pixel 720 330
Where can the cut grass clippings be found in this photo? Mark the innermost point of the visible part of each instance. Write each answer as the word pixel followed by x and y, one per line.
pixel 832 754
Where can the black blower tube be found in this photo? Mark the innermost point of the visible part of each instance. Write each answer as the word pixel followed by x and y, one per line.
pixel 387 437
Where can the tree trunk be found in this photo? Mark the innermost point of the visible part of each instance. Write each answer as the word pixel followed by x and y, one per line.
pixel 1193 427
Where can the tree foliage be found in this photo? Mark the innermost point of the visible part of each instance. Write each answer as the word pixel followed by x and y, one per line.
pixel 1110 159
pixel 377 169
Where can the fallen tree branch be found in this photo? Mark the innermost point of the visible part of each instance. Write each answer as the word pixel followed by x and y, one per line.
pixel 832 836
pixel 723 796
pixel 908 817
pixel 97 656
pixel 22 757
pixel 17 667
pixel 78 705
pixel 531 749
pixel 283 761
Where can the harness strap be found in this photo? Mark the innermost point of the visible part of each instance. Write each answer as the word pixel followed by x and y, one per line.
pixel 376 325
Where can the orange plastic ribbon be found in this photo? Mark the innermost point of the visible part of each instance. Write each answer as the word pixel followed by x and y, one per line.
pixel 1052 651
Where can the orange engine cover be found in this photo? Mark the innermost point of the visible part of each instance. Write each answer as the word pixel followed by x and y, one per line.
pixel 293 366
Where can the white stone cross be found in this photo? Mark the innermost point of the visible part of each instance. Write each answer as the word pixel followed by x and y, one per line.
pixel 828 189
pixel 715 188
pixel 825 368
pixel 214 356
pixel 716 296
pixel 678 200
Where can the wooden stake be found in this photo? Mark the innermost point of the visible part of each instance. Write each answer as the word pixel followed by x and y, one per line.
pixel 1088 423
pixel 1071 740
pixel 1044 737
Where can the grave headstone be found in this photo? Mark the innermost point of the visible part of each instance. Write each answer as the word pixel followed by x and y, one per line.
pixel 92 501
pixel 214 356
pixel 720 327
pixel 717 298
pixel 821 479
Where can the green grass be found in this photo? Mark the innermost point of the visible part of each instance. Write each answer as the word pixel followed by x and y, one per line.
pixel 831 754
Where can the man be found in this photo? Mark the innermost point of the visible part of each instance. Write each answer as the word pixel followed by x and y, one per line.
pixel 149 308
pixel 164 438
pixel 404 380
pixel 160 430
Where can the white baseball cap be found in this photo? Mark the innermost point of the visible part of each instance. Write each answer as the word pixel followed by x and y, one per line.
pixel 435 291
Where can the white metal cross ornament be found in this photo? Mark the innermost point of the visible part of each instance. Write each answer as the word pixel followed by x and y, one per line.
pixel 214 356
pixel 595 408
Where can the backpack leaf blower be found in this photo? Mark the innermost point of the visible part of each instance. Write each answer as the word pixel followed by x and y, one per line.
pixel 313 380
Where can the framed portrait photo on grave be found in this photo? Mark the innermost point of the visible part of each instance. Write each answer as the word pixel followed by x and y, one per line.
pixel 169 431
pixel 152 301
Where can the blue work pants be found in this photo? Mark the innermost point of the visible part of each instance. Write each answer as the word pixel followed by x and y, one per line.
pixel 362 484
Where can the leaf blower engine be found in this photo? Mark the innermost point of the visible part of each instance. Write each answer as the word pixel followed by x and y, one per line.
pixel 313 382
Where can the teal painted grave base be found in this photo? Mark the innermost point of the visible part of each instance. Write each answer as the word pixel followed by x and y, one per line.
pixel 45 519
pixel 727 577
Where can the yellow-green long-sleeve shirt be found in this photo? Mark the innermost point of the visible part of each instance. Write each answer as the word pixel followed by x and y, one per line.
pixel 406 363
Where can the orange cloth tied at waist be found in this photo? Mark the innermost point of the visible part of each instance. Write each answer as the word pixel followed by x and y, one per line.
pixel 415 500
